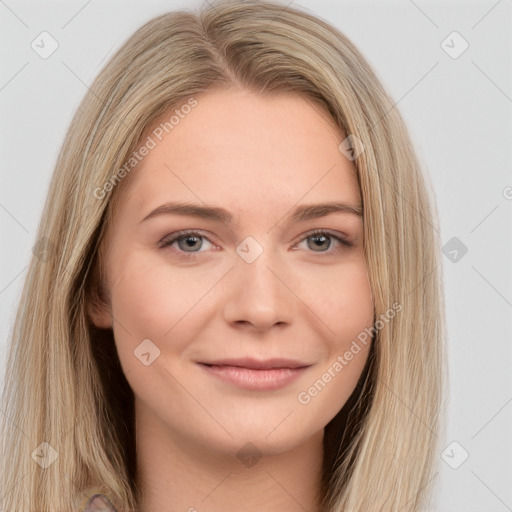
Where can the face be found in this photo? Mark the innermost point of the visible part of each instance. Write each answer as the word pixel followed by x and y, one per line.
pixel 236 324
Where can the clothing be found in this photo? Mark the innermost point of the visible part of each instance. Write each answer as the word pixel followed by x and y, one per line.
pixel 99 503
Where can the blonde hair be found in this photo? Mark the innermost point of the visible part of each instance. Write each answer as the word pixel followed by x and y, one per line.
pixel 65 385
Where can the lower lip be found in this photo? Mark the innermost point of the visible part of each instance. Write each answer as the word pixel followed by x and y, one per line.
pixel 256 380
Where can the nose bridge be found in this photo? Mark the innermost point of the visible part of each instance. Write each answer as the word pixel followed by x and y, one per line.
pixel 257 293
pixel 258 274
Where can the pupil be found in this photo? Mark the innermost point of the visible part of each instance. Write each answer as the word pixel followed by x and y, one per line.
pixel 319 240
pixel 194 240
pixel 319 237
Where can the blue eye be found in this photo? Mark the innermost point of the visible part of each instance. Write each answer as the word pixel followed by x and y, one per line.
pixel 192 240
pixel 320 237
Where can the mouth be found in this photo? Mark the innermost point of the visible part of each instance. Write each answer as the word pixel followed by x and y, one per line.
pixel 259 364
pixel 256 375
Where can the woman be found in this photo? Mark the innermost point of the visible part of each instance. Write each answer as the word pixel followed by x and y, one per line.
pixel 259 370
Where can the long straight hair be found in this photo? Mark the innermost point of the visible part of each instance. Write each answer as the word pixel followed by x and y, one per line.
pixel 67 403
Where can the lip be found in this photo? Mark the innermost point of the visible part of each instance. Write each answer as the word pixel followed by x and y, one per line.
pixel 256 375
pixel 258 364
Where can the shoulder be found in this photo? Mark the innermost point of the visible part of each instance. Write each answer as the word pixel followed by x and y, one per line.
pixel 99 503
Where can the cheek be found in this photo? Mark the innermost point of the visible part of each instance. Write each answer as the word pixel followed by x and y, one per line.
pixel 142 300
pixel 146 304
pixel 344 303
pixel 342 300
pixel 329 388
pixel 152 301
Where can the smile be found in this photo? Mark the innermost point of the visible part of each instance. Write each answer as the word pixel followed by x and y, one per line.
pixel 256 379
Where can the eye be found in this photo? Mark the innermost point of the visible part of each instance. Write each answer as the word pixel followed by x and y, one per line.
pixel 190 242
pixel 323 239
pixel 185 240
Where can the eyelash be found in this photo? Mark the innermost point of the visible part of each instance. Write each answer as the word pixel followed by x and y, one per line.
pixel 167 241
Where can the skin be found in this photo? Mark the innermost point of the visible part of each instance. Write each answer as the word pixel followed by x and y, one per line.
pixel 258 157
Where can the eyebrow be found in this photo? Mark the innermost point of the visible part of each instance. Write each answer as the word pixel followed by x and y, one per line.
pixel 215 213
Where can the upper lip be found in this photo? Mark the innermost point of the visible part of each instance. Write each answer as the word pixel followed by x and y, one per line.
pixel 258 364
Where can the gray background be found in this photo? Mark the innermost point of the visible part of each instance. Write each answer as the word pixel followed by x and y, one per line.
pixel 458 111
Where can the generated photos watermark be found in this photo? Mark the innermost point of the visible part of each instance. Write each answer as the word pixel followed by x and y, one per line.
pixel 304 397
pixel 150 143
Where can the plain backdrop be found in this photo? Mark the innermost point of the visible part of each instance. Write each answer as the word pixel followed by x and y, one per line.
pixel 454 91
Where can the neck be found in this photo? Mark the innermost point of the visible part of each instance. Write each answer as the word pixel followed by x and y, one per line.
pixel 178 475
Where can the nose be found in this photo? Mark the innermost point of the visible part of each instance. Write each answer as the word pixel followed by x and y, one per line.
pixel 259 294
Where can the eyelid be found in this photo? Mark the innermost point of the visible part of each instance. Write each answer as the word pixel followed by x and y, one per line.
pixel 169 239
pixel 324 231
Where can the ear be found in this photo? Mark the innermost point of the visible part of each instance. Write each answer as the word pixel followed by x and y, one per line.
pixel 98 311
pixel 98 306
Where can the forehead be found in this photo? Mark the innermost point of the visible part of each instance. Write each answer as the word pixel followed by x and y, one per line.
pixel 245 151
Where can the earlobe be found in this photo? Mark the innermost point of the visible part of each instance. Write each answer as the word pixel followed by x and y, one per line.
pixel 97 297
pixel 99 314
pixel 98 309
